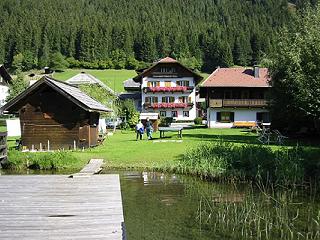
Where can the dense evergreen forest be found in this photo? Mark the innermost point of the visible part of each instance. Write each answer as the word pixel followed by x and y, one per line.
pixel 126 34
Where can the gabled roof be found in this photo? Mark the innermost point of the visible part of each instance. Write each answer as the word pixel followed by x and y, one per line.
pixel 74 94
pixel 130 84
pixel 237 77
pixel 86 78
pixel 166 60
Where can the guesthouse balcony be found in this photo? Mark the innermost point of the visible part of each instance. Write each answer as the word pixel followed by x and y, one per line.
pixel 180 89
pixel 219 103
pixel 167 105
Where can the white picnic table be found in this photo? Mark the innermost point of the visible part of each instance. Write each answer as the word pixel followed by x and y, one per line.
pixel 170 129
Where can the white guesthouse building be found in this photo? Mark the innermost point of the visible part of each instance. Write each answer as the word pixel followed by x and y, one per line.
pixel 236 96
pixel 169 88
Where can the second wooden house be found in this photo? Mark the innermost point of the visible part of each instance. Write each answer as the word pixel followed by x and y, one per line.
pixel 236 97
pixel 55 115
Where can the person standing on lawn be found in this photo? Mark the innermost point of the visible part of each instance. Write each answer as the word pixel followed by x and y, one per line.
pixel 139 130
pixel 149 128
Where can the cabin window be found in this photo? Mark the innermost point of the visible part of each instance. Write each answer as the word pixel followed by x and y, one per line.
pixel 225 116
pixel 186 113
pixel 163 113
pixel 174 114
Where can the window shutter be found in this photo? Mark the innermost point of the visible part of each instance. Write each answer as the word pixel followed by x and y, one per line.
pixel 158 84
pixel 218 116
pixel 147 99
pixel 189 99
pixel 231 116
pixel 149 84
pixel 187 83
pixel 163 99
pixel 171 99
pixel 178 83
pixel 155 99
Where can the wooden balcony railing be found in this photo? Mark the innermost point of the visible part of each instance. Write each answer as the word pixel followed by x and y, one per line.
pixel 217 103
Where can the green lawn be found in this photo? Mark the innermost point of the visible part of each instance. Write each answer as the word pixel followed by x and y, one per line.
pixel 111 77
pixel 122 150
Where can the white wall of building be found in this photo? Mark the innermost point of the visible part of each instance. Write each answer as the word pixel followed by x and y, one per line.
pixel 4 92
pixel 240 115
pixel 192 95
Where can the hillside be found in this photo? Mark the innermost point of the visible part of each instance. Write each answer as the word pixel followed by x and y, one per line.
pixel 119 33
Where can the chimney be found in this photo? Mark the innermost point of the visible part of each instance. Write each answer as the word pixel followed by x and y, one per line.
pixel 256 71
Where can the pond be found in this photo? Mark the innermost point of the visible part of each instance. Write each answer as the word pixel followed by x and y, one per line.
pixel 169 206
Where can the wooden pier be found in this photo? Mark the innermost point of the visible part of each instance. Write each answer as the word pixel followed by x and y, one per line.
pixel 59 207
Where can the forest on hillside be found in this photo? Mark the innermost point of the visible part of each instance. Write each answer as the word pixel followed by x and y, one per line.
pixel 125 34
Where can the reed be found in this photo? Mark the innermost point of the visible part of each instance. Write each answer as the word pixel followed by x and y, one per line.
pixel 252 162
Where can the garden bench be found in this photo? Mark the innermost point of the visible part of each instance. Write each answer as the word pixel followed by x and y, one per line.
pixel 244 124
pixel 162 130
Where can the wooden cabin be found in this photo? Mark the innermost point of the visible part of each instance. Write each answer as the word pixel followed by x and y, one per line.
pixel 55 115
pixel 3 147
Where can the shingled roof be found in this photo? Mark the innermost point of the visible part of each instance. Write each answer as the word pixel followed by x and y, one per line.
pixel 86 78
pixel 74 94
pixel 237 77
pixel 164 61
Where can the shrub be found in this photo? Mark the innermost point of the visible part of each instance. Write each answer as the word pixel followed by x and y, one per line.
pixel 198 120
pixel 165 121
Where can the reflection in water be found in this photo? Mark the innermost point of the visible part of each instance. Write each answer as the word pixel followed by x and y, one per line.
pixel 161 206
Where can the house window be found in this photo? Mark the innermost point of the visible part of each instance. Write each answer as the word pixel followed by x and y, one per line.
pixel 225 116
pixel 151 100
pixel 183 83
pixel 245 95
pixel 153 84
pixel 167 70
pixel 186 113
pixel 174 114
pixel 163 113
pixel 227 94
pixel 168 99
pixel 167 84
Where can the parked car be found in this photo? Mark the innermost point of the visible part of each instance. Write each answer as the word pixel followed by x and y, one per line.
pixel 113 122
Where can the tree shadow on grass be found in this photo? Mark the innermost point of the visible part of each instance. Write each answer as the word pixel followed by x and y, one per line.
pixel 250 139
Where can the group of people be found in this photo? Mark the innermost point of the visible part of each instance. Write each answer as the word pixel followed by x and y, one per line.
pixel 140 129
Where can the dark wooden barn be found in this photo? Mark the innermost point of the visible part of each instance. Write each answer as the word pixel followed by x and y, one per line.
pixel 55 115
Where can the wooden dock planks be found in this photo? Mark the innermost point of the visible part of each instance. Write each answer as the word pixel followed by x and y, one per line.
pixel 57 207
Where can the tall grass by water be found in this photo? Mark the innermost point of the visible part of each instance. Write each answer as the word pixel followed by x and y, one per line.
pixel 269 214
pixel 251 162
pixel 43 160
